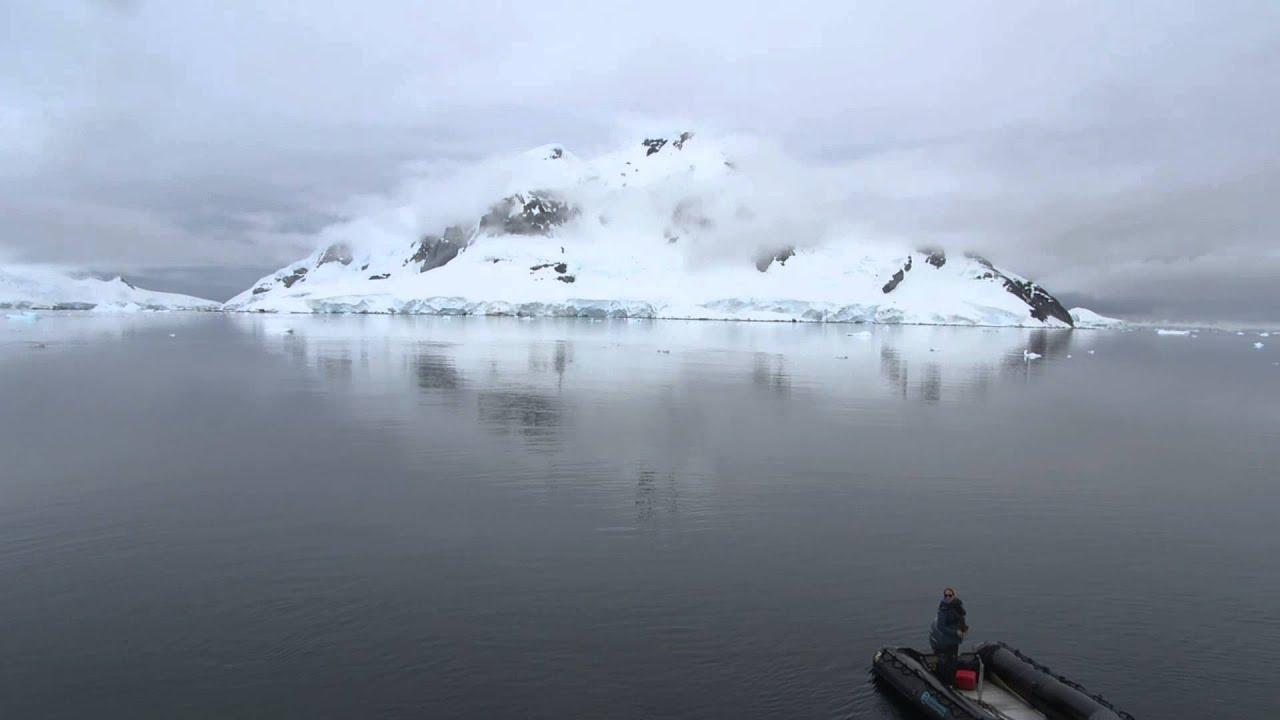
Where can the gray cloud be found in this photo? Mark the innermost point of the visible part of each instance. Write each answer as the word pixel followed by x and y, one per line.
pixel 1121 153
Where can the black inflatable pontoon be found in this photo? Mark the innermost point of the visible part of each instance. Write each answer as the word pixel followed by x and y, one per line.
pixel 1011 686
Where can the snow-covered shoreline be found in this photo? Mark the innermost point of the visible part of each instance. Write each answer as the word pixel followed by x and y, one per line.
pixel 25 287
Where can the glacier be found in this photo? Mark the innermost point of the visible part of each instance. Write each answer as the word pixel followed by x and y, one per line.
pixel 30 287
pixel 677 227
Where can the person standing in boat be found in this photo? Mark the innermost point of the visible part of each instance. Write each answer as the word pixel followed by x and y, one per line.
pixel 947 632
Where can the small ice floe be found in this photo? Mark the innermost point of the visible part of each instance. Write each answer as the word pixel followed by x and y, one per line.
pixel 1259 346
pixel 1028 356
pixel 1239 332
pixel 1182 333
pixel 861 335
pixel 1092 352
pixel 23 317
pixel 842 357
pixel 665 352
pixel 1264 334
pixel 1068 356
pixel 173 335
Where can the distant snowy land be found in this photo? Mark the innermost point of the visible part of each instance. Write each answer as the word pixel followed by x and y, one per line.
pixel 25 287
pixel 670 227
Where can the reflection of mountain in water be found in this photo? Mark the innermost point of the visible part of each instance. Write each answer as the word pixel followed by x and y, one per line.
pixel 436 372
pixel 926 373
pixel 656 494
pixel 534 415
pixel 547 381
pixel 769 371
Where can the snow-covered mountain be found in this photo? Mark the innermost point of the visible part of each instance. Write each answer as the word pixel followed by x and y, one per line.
pixel 44 288
pixel 671 227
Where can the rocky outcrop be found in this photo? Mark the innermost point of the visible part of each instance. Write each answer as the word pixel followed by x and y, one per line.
pixel 654 145
pixel 338 252
pixel 537 213
pixel 898 277
pixel 1043 305
pixel 297 276
pixel 767 258
pixel 433 251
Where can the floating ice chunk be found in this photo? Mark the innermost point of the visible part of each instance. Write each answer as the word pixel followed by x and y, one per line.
pixel 1162 331
pixel 861 335
pixel 23 317
pixel 1264 334
pixel 1091 352
pixel 1239 332
pixel 1259 346
pixel 1028 356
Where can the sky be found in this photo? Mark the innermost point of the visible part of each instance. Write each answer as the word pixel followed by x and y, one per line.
pixel 1123 154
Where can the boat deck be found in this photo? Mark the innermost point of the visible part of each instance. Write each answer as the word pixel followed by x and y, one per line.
pixel 1004 703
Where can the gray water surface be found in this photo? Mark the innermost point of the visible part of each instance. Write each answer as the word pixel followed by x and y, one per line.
pixel 238 516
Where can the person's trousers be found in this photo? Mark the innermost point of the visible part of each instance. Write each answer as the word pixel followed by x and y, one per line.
pixel 947 662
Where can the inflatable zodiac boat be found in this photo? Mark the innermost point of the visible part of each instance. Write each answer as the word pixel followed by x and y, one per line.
pixel 995 682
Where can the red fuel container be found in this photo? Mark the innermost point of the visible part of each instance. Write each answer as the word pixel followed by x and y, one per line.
pixel 966 679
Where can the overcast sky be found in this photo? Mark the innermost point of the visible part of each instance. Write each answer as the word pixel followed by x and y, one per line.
pixel 1126 154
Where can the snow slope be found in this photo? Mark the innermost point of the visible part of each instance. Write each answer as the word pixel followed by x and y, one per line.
pixel 1086 318
pixel 44 288
pixel 671 227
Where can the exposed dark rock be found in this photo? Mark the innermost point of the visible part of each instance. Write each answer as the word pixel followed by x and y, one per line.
pixel 299 274
pixel 764 260
pixel 893 283
pixel 684 138
pixel 556 153
pixel 897 277
pixel 566 278
pixel 382 276
pixel 337 252
pixel 1043 305
pixel 260 290
pixel 671 239
pixel 74 306
pixel 536 214
pixel 436 250
pixel 937 258
pixel 364 267
pixel 654 145
pixel 560 268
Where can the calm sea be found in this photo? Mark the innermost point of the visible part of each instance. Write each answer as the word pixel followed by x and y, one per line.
pixel 313 517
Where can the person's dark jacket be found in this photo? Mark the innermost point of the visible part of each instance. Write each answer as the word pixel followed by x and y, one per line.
pixel 950 623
